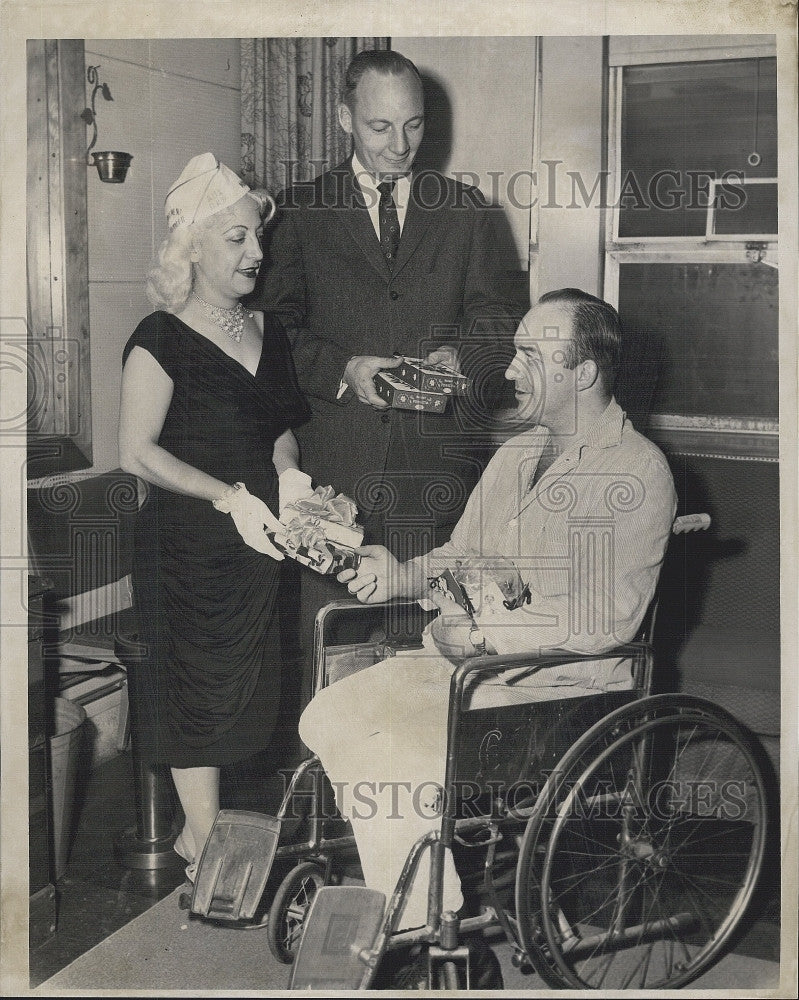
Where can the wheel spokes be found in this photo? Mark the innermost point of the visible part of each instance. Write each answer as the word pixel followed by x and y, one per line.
pixel 684 870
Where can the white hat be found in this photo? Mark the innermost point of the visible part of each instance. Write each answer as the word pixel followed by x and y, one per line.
pixel 205 187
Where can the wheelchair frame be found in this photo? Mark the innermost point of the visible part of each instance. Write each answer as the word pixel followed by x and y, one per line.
pixel 652 741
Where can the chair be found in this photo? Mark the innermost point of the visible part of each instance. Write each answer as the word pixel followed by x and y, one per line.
pixel 79 538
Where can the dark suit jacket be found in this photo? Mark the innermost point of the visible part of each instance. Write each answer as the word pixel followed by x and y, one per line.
pixel 409 473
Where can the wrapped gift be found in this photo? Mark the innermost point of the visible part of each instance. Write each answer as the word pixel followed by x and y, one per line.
pixel 321 532
pixel 401 396
pixel 426 377
pixel 474 583
pixel 447 585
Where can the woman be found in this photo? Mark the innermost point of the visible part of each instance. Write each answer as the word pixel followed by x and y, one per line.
pixel 209 397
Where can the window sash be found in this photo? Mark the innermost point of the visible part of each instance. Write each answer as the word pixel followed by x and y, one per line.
pixel 748 439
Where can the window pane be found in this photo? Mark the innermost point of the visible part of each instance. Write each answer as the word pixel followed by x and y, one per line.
pixel 743 209
pixel 684 123
pixel 713 329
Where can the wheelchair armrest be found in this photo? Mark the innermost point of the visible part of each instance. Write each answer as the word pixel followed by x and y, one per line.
pixel 354 605
pixel 489 664
pixel 350 607
pixel 498 663
pixel 329 616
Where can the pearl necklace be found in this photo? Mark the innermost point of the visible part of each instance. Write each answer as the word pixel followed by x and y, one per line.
pixel 230 321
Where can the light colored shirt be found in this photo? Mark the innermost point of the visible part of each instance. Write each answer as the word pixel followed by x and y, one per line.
pixel 588 539
pixel 368 185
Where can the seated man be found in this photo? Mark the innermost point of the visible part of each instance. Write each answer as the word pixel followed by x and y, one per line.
pixel 579 506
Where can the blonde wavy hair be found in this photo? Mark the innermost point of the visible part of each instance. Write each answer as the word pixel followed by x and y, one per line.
pixel 170 281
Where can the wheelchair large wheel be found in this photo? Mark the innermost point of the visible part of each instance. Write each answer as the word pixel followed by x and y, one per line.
pixel 290 908
pixel 644 848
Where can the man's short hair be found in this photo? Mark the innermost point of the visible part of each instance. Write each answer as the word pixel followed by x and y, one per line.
pixel 383 61
pixel 596 333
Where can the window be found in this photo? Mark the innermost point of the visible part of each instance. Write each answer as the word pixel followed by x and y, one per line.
pixel 685 126
pixel 691 243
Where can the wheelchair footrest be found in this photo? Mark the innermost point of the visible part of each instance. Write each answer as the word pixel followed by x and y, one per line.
pixel 235 865
pixel 342 921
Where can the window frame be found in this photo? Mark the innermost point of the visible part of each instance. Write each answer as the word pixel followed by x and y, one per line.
pixel 705 435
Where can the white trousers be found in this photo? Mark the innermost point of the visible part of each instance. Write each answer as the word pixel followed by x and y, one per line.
pixel 381 735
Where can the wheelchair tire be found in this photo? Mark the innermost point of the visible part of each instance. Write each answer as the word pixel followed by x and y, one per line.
pixel 289 909
pixel 644 848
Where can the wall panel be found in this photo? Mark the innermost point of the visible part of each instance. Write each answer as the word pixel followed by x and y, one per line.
pixel 172 99
pixel 480 117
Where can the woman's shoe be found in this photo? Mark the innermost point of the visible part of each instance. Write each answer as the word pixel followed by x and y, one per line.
pixel 179 847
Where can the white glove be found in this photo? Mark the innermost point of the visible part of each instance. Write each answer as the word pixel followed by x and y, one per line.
pixel 252 519
pixel 293 485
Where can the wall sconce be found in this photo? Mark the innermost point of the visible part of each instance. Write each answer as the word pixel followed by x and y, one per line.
pixel 112 166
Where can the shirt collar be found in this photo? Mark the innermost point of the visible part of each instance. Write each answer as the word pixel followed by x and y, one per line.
pixel 368 183
pixel 605 433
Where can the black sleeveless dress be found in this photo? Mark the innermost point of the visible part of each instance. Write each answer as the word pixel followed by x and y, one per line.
pixel 206 602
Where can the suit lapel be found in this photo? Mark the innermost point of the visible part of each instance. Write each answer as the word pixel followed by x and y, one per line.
pixel 351 209
pixel 425 191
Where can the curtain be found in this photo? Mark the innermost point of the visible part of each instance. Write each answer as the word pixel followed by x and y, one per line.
pixel 290 90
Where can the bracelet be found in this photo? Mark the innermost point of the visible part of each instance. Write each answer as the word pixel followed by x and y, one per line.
pixel 222 503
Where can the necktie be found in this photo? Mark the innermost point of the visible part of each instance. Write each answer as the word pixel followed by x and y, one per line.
pixel 389 223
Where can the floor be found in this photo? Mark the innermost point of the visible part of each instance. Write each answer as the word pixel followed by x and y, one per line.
pixel 96 896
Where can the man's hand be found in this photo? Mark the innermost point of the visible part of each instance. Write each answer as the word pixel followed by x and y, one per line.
pixel 444 355
pixel 379 576
pixel 359 376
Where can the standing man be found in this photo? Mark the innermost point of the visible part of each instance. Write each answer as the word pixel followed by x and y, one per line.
pixel 372 260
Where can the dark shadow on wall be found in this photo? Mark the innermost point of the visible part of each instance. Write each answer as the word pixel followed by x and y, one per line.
pixel 636 382
pixel 436 148
pixel 684 577
pixel 719 619
pixel 435 153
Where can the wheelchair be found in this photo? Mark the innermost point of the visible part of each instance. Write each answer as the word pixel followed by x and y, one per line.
pixel 615 839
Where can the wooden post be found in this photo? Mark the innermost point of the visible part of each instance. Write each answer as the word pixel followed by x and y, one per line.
pixel 59 386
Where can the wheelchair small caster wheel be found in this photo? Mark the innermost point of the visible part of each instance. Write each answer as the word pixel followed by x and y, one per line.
pixel 290 908
pixel 521 963
pixel 184 901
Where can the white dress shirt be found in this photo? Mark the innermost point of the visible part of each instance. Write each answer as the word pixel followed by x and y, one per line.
pixel 368 185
